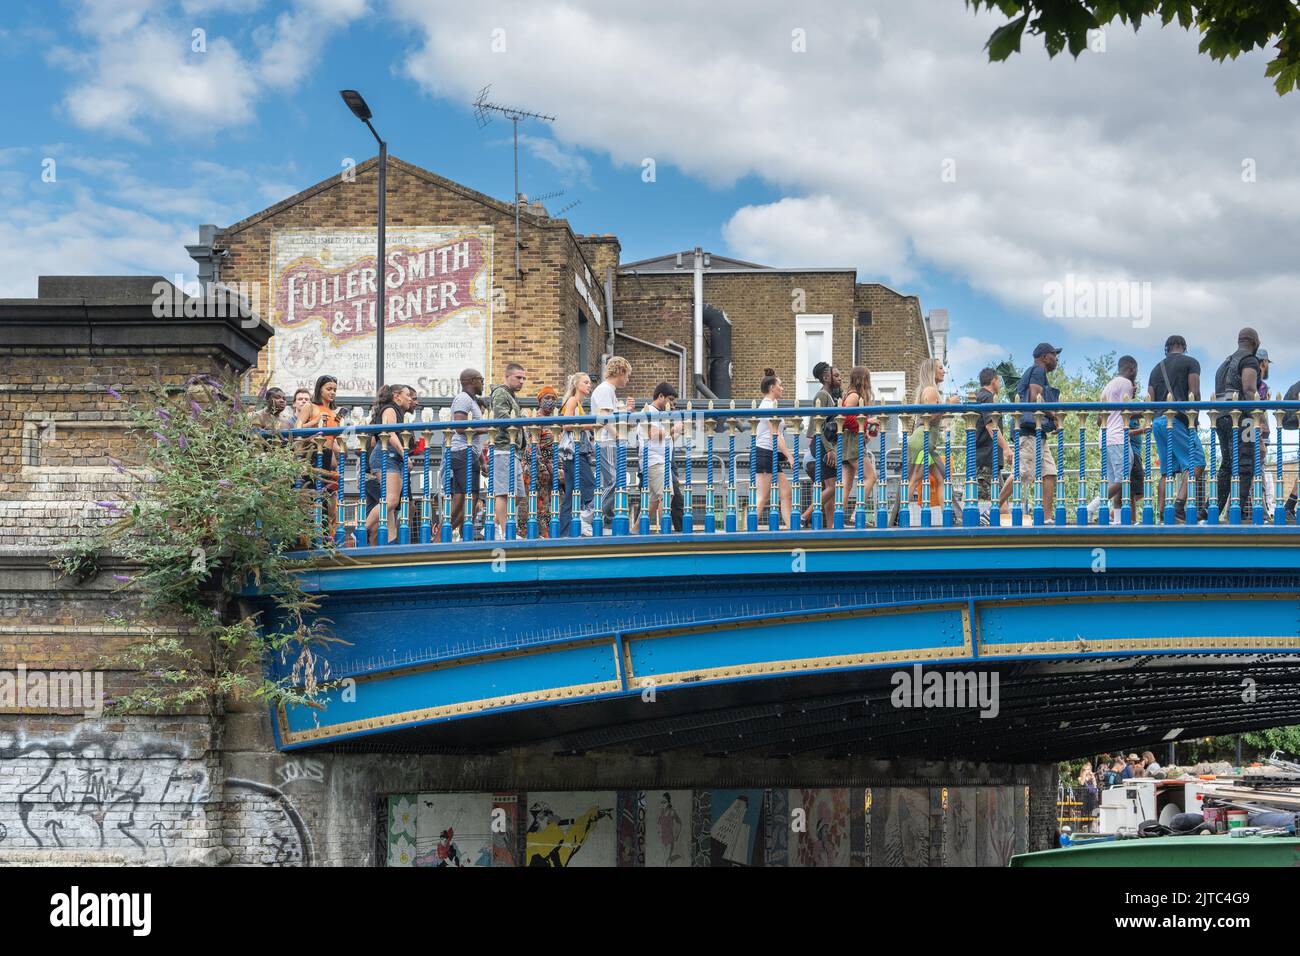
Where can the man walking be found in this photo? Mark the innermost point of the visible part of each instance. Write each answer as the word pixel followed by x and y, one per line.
pixel 987 431
pixel 1033 387
pixel 658 437
pixel 1119 389
pixel 1177 378
pixel 465 407
pixel 1238 379
pixel 604 405
pixel 505 405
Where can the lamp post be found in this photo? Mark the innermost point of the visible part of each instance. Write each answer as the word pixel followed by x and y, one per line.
pixel 357 104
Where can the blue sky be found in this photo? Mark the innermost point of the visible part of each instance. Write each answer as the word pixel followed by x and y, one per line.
pixel 1126 165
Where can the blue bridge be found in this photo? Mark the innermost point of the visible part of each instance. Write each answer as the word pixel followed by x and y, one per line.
pixel 1064 627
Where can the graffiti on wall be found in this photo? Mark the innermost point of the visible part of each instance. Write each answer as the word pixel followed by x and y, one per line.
pixel 140 798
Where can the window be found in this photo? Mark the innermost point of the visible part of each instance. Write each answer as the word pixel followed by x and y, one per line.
pixel 889 386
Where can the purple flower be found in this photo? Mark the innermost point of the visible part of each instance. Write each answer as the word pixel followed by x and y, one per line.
pixel 161 437
pixel 223 483
pixel 164 414
pixel 195 409
pixel 115 393
pixel 110 505
pixel 180 440
pixel 121 577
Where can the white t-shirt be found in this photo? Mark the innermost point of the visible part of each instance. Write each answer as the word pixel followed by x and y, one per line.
pixel 1118 389
pixel 465 402
pixel 767 426
pixel 604 400
pixel 655 446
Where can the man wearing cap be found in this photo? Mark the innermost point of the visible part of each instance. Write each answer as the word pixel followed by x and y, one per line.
pixel 1177 378
pixel 1033 387
pixel 1238 379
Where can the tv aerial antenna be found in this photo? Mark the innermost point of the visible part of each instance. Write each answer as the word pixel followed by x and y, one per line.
pixel 483 111
pixel 560 212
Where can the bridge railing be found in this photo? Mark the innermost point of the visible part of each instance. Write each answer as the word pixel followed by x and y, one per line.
pixel 1048 466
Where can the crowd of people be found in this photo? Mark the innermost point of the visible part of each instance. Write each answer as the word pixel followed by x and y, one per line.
pixel 1112 771
pixel 588 454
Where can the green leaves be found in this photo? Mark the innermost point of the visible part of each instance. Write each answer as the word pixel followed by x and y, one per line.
pixel 1228 27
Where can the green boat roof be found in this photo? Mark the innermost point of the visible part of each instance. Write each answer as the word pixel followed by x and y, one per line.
pixel 1216 850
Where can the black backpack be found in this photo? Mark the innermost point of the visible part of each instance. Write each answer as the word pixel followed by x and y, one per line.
pixel 1228 377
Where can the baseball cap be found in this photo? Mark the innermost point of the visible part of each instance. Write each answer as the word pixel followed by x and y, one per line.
pixel 1042 348
pixel 1261 354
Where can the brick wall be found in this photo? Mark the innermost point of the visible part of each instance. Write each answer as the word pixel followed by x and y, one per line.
pixel 534 316
pixel 896 339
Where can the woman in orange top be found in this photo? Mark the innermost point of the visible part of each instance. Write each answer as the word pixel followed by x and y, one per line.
pixel 321 412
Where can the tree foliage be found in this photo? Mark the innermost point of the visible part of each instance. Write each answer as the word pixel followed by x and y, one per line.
pixel 213 510
pixel 1228 28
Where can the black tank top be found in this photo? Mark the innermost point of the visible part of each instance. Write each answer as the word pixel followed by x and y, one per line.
pixel 377 418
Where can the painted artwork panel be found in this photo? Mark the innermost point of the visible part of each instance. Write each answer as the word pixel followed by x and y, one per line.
pixel 571 828
pixel 438 304
pixel 454 829
pixel 824 840
pixel 959 828
pixel 401 829
pixel 900 826
pixel 668 828
pixel 734 820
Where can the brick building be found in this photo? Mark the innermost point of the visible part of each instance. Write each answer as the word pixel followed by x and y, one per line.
pixel 454 299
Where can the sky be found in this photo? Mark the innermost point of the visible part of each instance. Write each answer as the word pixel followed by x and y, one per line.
pixel 1101 204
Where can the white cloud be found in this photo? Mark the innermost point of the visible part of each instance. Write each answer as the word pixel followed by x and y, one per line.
pixel 141 66
pixel 1126 164
pixel 571 165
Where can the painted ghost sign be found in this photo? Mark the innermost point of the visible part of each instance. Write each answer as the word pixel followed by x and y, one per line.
pixel 438 320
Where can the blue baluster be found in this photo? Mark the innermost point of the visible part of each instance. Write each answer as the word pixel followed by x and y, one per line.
pixel 1167 516
pixel 340 526
pixel 1212 510
pixel 774 491
pixel 1126 484
pixel 361 492
pixel 490 521
pixel 666 503
pixel 512 519
pixel 970 517
pixel 688 446
pixel 531 530
pixel 839 476
pixel 444 533
pixel 471 488
pixel 710 494
pixel 554 529
pixel 644 522
pixel 1060 472
pixel 925 475
pixel 1279 488
pixel 622 520
pixel 1257 481
pixel 1081 507
pixel 1103 516
pixel 1039 515
pixel 1234 506
pixel 904 492
pixel 995 479
pixel 1017 509
pixel 882 478
pixel 731 472
pixel 404 505
pixel 948 519
pixel 381 532
pixel 1148 505
pixel 796 480
pixel 426 506
pixel 318 506
pixel 818 519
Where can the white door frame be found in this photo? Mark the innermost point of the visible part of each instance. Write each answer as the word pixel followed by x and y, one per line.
pixel 802 370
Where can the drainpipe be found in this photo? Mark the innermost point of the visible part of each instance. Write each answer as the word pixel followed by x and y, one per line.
pixel 671 348
pixel 609 308
pixel 698 346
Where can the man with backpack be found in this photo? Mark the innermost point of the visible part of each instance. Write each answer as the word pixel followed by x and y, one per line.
pixel 1033 387
pixel 1238 379
pixel 1177 378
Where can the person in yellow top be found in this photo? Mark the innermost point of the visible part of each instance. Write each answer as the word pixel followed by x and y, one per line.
pixel 553 841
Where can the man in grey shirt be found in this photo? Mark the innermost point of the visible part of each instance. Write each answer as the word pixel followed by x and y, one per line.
pixel 465 407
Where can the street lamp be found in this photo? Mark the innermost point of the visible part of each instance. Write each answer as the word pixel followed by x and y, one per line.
pixel 357 104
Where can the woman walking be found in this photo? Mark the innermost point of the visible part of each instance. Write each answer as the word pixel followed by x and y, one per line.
pixel 773 455
pixel 321 412
pixel 930 376
pixel 859 395
pixel 577 455
pixel 390 406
